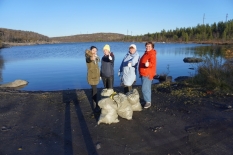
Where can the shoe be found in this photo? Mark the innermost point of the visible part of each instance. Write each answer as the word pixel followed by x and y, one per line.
pixel 147 105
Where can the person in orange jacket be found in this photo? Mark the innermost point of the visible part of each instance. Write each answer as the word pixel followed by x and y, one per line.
pixel 147 71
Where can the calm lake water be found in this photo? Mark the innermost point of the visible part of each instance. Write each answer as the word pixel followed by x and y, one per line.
pixel 63 66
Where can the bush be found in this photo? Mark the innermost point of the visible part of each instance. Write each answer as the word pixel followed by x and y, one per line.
pixel 214 74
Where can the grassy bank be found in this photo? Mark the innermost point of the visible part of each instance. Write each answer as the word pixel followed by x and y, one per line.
pixel 216 73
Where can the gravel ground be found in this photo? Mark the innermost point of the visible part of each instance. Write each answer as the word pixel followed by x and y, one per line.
pixel 62 122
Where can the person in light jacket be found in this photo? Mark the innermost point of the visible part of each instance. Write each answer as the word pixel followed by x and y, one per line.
pixel 93 73
pixel 128 68
pixel 147 71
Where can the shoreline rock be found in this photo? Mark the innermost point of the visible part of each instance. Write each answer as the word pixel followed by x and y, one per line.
pixel 192 60
pixel 182 78
pixel 14 84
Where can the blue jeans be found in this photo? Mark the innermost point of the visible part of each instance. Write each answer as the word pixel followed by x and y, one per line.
pixel 146 88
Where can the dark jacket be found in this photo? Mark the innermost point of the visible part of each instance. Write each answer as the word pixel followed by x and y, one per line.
pixel 107 66
pixel 93 71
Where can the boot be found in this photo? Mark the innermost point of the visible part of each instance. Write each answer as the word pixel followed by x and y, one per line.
pixel 104 79
pixel 127 89
pixel 96 107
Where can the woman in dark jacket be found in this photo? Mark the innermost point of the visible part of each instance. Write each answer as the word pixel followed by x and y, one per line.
pixel 107 69
pixel 93 73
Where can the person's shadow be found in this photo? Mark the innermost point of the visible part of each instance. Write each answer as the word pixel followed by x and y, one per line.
pixel 70 97
pixel 89 97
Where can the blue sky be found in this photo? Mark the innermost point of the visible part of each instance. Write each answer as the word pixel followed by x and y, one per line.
pixel 70 17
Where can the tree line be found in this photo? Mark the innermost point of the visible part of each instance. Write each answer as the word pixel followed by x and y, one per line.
pixel 94 37
pixel 216 32
pixel 221 31
pixel 18 36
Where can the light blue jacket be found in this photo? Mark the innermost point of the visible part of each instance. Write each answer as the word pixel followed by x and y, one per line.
pixel 128 76
pixel 133 58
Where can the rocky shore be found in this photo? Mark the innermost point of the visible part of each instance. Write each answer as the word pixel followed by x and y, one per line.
pixel 62 122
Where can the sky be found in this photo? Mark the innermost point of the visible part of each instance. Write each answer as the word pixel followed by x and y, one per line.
pixel 55 18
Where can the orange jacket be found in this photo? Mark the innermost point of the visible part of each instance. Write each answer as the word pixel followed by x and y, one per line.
pixel 149 71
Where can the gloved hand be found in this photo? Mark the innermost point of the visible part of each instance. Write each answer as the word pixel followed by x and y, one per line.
pixel 100 78
pixel 147 63
pixel 110 57
pixel 129 64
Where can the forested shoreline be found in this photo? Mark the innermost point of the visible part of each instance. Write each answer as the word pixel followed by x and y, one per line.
pixel 216 33
pixel 19 36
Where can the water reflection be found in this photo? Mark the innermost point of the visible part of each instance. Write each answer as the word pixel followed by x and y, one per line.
pixel 223 51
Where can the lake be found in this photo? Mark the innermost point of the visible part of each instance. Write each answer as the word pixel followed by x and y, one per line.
pixel 62 66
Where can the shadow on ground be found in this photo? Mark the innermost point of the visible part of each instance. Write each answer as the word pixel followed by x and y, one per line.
pixel 70 97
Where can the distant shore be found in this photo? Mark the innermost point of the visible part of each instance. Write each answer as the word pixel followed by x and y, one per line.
pixel 11 44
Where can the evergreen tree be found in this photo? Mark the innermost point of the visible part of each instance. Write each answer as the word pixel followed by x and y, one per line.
pixel 220 31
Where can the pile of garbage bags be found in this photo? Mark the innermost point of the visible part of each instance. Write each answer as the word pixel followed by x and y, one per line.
pixel 118 104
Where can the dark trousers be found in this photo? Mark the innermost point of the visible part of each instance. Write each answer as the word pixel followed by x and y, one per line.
pixel 127 89
pixel 108 82
pixel 94 96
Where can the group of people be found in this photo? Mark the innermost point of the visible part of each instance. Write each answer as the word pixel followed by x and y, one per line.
pixel 131 63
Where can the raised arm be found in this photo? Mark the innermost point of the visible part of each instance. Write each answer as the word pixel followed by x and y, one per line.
pixel 111 57
pixel 88 59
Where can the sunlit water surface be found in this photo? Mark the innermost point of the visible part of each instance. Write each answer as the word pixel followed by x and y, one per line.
pixel 63 66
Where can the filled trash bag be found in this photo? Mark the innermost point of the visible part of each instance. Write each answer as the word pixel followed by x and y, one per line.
pixel 133 98
pixel 124 108
pixel 107 92
pixel 108 111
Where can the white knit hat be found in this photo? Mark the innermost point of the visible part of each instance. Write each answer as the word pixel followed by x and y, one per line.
pixel 133 45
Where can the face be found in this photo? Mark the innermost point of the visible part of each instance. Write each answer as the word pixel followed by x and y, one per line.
pixel 149 47
pixel 106 52
pixel 94 51
pixel 132 50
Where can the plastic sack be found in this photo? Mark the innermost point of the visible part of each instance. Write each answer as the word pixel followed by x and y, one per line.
pixel 108 111
pixel 124 108
pixel 133 98
pixel 106 92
